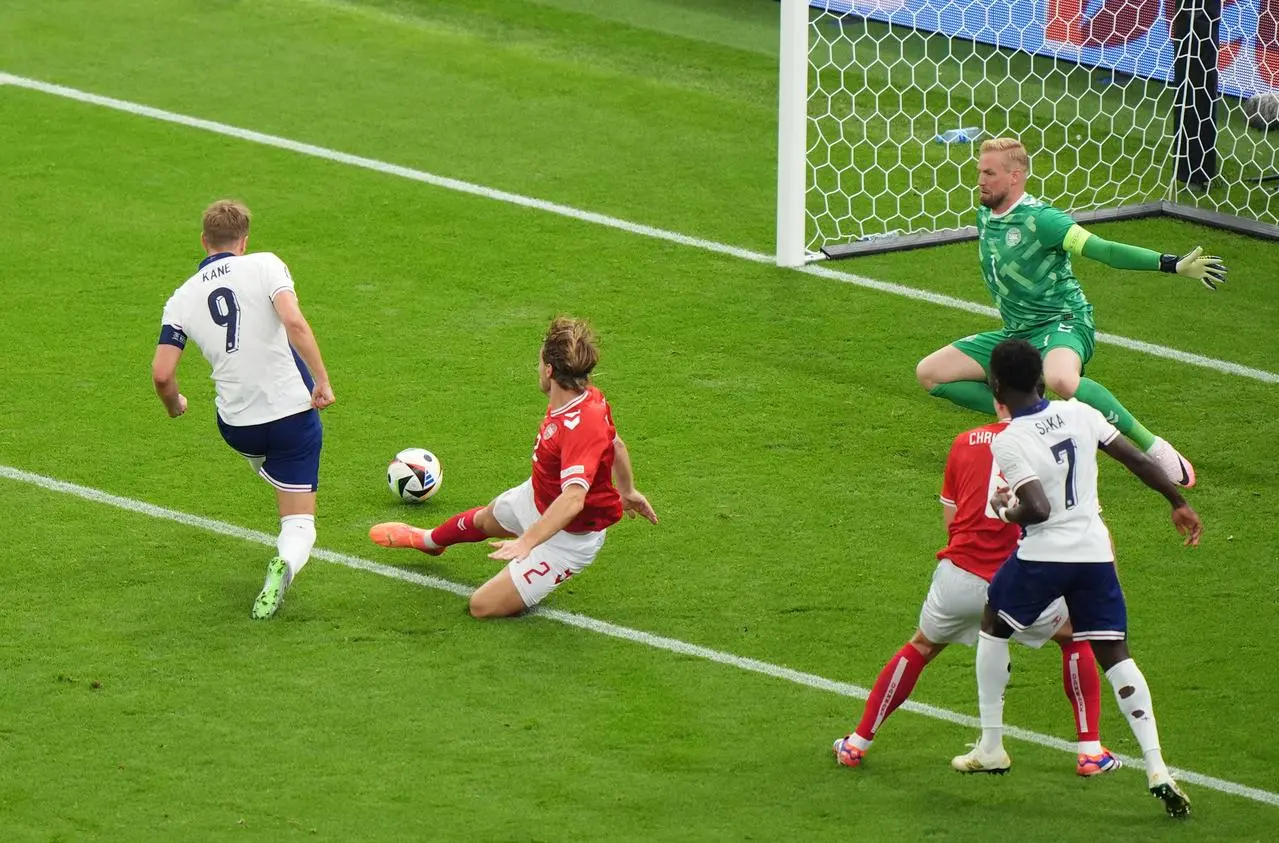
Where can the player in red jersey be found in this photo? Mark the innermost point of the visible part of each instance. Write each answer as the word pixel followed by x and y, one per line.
pixel 554 521
pixel 978 544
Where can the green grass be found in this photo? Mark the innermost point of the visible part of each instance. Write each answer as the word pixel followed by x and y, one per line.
pixel 773 418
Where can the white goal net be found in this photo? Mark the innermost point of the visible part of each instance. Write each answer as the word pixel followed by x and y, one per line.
pixel 897 93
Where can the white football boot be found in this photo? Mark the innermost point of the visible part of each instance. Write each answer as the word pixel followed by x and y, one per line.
pixel 978 762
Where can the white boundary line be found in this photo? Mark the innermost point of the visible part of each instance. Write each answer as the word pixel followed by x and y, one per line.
pixel 1187 357
pixel 658 642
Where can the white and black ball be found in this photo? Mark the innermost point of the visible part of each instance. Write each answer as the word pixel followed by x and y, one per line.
pixel 415 475
pixel 1262 111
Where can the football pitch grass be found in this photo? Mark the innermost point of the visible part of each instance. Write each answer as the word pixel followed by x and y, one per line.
pixel 772 416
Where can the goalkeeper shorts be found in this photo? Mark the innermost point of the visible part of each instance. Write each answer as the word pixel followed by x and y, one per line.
pixel 1079 335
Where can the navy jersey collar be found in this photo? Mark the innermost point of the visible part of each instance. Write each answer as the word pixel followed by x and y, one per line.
pixel 215 257
pixel 1032 409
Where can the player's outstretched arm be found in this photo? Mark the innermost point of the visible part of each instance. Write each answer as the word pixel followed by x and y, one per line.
pixel 164 376
pixel 1206 269
pixel 1144 468
pixel 303 341
pixel 1185 519
pixel 633 501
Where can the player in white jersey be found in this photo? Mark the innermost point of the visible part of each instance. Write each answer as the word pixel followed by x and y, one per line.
pixel 1048 456
pixel 242 311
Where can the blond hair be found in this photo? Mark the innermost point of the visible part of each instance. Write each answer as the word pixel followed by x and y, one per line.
pixel 1015 157
pixel 226 222
pixel 569 349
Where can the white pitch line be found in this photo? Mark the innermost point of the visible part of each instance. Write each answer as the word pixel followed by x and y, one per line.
pixel 648 639
pixel 473 189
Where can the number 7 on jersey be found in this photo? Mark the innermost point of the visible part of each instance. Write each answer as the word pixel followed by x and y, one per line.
pixel 1064 453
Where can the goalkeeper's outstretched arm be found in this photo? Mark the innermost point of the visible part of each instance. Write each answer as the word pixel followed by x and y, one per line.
pixel 1206 268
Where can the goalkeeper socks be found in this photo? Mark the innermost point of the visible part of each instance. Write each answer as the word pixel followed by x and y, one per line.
pixel 297 537
pixel 457 530
pixel 1095 395
pixel 972 395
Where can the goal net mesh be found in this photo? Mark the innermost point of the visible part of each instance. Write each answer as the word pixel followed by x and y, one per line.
pixel 900 93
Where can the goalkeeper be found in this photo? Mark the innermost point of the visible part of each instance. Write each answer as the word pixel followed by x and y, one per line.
pixel 1025 247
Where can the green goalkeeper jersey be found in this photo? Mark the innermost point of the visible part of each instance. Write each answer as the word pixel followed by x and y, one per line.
pixel 1026 267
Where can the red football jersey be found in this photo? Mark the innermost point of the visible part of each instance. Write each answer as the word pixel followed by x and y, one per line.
pixel 575 446
pixel 979 542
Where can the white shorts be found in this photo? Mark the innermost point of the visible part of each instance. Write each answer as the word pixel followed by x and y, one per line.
pixel 551 562
pixel 951 613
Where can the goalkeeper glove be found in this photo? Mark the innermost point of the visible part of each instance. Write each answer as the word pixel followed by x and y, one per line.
pixel 1210 270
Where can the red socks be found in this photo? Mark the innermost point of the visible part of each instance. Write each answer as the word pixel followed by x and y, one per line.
pixel 895 682
pixel 1083 687
pixel 893 686
pixel 458 529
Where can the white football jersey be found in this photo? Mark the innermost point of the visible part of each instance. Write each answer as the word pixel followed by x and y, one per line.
pixel 1056 443
pixel 227 308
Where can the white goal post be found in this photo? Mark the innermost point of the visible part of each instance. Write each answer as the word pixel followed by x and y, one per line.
pixel 1128 108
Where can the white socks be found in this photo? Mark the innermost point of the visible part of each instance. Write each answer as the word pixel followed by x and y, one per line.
pixel 1133 695
pixel 993 667
pixel 858 741
pixel 297 537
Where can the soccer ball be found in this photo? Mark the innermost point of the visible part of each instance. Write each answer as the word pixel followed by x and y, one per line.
pixel 414 475
pixel 1262 111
